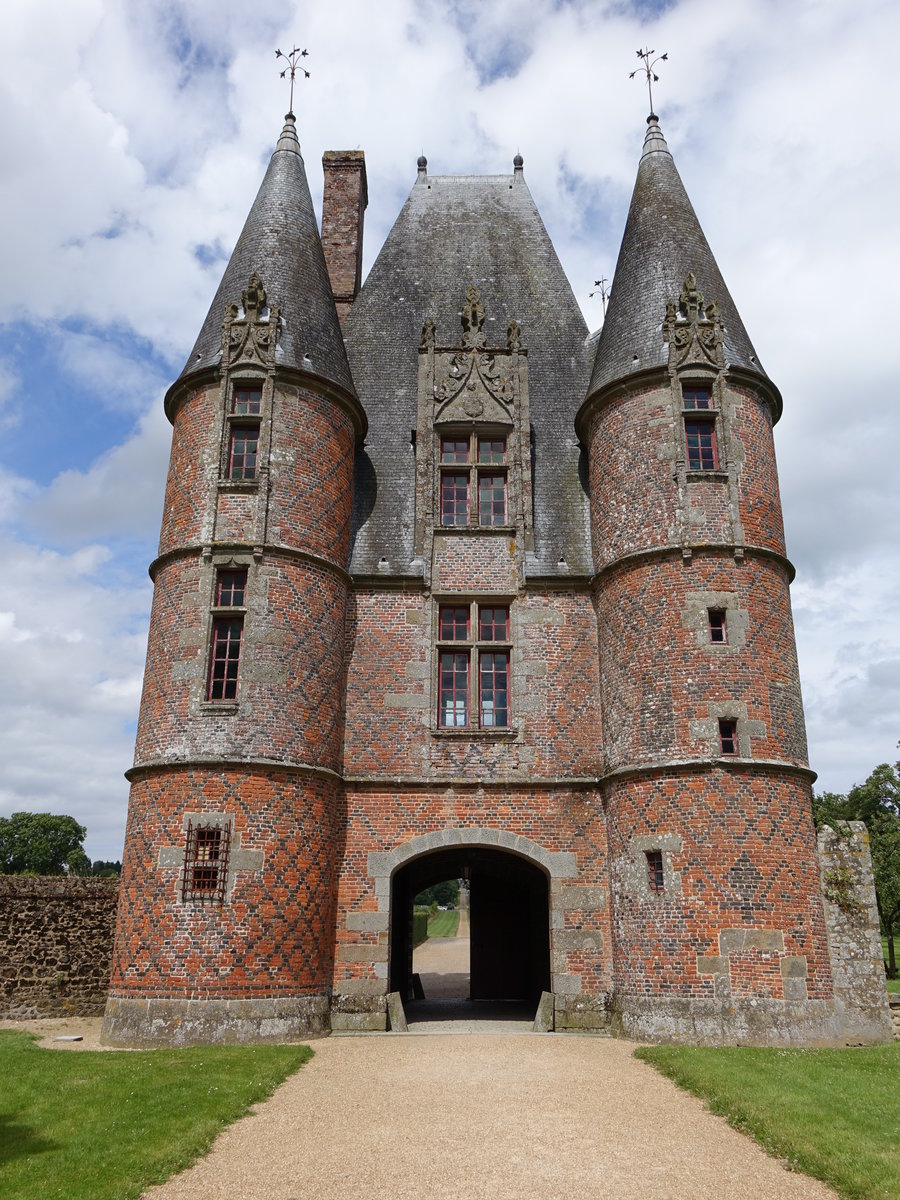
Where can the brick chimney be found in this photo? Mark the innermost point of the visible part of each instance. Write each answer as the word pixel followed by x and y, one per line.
pixel 343 207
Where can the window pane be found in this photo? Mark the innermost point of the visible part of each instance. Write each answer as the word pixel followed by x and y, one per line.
pixel 718 629
pixel 454 690
pixel 492 499
pixel 702 453
pixel 225 657
pixel 246 400
pixel 655 875
pixel 454 450
pixel 454 623
pixel 494 670
pixel 492 450
pixel 696 397
pixel 242 452
pixel 230 587
pixel 454 499
pixel 493 624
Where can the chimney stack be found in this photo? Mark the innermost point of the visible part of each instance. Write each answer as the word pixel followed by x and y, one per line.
pixel 343 207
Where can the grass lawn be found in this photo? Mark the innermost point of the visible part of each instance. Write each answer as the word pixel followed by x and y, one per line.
pixel 108 1125
pixel 834 1114
pixel 444 924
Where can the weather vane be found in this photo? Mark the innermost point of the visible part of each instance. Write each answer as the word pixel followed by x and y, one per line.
pixel 292 58
pixel 605 292
pixel 647 68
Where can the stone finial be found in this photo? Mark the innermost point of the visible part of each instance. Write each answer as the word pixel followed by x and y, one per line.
pixel 253 298
pixel 518 164
pixel 422 167
pixel 513 336
pixel 428 334
pixel 473 318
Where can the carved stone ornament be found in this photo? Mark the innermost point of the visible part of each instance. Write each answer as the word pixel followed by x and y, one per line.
pixel 471 375
pixel 428 334
pixel 253 336
pixel 692 328
pixel 473 318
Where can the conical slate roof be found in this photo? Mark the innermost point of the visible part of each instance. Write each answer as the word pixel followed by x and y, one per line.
pixel 454 231
pixel 280 242
pixel 662 242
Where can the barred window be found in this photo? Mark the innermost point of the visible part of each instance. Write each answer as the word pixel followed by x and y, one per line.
pixel 206 862
pixel 655 875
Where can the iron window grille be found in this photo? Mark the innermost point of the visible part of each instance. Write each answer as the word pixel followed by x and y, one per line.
pixel 655 875
pixel 206 862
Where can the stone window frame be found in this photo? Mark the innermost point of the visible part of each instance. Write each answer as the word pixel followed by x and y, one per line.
pixel 218 565
pixel 706 729
pixel 473 645
pixel 236 421
pixel 695 619
pixel 474 434
pixel 637 875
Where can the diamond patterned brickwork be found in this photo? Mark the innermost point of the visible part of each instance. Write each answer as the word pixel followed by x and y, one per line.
pixel 273 936
pixel 291 673
pixel 556 820
pixel 665 683
pixel 391 721
pixel 741 857
pixel 641 495
pixel 193 470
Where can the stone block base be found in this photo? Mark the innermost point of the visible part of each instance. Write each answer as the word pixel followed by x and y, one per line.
pixel 359 1022
pixel 590 1012
pixel 757 1022
pixel 175 1022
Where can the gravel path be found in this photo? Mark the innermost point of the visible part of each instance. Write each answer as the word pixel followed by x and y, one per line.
pixel 479 1116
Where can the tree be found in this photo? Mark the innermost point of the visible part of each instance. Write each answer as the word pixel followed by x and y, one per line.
pixel 877 802
pixel 446 892
pixel 42 844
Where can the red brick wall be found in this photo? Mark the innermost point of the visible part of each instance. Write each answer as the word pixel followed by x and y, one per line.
pixel 747 860
pixel 273 937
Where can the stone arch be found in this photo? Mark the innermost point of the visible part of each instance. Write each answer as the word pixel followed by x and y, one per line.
pixel 491 853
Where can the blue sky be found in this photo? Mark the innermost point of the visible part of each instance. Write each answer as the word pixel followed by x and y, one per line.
pixel 132 150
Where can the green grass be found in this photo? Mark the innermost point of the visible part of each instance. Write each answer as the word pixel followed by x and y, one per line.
pixel 834 1114
pixel 105 1126
pixel 444 924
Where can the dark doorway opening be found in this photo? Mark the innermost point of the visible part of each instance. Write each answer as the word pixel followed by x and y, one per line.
pixel 509 921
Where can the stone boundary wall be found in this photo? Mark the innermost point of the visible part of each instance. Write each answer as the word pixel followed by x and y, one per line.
pixel 56 941
pixel 851 921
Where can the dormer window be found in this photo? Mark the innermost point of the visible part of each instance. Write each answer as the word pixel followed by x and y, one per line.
pixel 473 480
pixel 701 441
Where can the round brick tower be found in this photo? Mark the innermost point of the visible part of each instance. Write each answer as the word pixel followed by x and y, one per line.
pixel 718 918
pixel 226 920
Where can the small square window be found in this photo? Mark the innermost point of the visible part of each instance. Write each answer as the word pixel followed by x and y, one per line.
pixel 728 736
pixel 491 499
pixel 246 400
pixel 655 875
pixel 205 862
pixel 454 623
pixel 230 588
pixel 493 624
pixel 242 452
pixel 454 450
pixel 696 397
pixel 702 451
pixel 718 625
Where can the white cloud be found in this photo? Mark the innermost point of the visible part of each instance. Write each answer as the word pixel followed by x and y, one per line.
pixel 144 137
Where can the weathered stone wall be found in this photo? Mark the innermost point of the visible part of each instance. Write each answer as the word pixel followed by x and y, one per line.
pixel 851 920
pixel 56 941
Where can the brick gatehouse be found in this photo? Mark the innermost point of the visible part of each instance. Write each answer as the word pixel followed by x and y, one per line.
pixel 447 586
